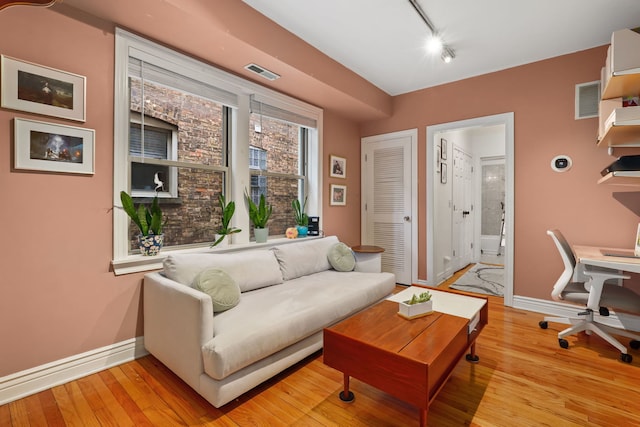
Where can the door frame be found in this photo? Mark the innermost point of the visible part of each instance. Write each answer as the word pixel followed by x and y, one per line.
pixel 506 119
pixel 413 135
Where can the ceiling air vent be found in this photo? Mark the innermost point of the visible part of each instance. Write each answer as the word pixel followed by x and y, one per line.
pixel 587 100
pixel 269 75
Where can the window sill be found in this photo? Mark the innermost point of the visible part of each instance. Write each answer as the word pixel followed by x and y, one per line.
pixel 140 263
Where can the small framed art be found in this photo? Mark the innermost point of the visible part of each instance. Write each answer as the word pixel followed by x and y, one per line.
pixel 42 90
pixel 338 195
pixel 52 147
pixel 338 167
pixel 443 173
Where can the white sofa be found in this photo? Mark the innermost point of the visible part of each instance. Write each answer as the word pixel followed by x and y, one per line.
pixel 289 293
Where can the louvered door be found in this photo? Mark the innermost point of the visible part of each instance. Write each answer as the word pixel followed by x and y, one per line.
pixel 387 203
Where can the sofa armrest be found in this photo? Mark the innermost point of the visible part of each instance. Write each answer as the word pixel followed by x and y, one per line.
pixel 178 320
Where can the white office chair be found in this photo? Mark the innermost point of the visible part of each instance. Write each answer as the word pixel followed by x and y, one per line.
pixel 591 291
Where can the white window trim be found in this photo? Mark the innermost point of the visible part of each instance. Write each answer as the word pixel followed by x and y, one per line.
pixel 239 178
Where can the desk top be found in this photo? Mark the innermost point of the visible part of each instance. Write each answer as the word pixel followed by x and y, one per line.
pixel 593 255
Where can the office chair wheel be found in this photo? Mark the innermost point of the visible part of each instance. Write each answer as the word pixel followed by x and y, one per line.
pixel 626 358
pixel 634 344
pixel 563 343
pixel 604 311
pixel 543 324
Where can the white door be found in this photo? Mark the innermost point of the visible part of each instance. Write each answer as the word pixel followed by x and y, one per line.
pixel 387 208
pixel 462 239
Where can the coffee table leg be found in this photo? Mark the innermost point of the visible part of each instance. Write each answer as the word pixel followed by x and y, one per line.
pixel 346 395
pixel 423 417
pixel 472 356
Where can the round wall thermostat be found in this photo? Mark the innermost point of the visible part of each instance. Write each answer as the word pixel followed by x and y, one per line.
pixel 561 163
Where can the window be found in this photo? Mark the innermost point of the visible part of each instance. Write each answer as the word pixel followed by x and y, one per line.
pixel 160 142
pixel 187 131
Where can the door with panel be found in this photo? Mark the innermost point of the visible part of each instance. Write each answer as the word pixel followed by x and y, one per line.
pixel 387 201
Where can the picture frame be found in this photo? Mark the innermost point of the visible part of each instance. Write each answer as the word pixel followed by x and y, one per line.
pixel 38 89
pixel 443 149
pixel 338 195
pixel 338 167
pixel 443 173
pixel 50 147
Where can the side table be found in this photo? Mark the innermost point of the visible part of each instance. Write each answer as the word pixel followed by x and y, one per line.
pixel 368 258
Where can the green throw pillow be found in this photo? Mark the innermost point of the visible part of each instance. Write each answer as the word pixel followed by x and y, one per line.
pixel 222 289
pixel 341 257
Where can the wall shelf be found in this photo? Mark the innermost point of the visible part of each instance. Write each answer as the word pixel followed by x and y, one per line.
pixel 621 73
pixel 621 178
pixel 621 128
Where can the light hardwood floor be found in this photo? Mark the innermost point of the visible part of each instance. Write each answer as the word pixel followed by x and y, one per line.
pixel 523 379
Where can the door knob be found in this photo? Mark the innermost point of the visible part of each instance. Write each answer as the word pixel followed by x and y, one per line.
pixel 465 213
pixel 407 218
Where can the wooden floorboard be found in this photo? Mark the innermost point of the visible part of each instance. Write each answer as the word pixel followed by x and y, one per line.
pixel 523 379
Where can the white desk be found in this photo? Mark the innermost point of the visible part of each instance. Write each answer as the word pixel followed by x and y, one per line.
pixel 592 255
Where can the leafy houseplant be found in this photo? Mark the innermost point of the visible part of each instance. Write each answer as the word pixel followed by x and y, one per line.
pixel 418 306
pixel 302 219
pixel 259 215
pixel 149 222
pixel 228 210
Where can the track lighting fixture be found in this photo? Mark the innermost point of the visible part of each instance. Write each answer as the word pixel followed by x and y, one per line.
pixel 447 53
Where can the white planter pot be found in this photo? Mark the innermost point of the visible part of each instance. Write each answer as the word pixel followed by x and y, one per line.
pixel 411 311
pixel 261 234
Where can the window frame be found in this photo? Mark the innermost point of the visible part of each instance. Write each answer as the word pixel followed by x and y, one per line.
pixel 238 171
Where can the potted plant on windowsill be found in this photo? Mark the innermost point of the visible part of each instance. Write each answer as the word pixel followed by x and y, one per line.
pixel 225 229
pixel 302 219
pixel 417 306
pixel 149 222
pixel 259 215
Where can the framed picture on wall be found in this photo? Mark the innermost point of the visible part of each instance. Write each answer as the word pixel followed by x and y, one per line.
pixel 443 173
pixel 52 147
pixel 338 195
pixel 42 90
pixel 443 149
pixel 338 167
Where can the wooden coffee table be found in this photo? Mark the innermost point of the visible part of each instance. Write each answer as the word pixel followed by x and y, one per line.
pixel 409 359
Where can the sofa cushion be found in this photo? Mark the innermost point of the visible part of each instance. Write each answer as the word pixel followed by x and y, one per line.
pixel 269 319
pixel 250 269
pixel 303 258
pixel 223 290
pixel 341 257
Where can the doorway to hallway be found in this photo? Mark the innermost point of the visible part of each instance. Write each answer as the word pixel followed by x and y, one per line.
pixel 440 199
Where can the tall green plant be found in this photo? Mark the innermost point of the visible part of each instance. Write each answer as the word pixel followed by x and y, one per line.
pixel 149 221
pixel 302 218
pixel 225 229
pixel 258 214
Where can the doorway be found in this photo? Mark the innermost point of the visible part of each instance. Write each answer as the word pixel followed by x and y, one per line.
pixel 435 241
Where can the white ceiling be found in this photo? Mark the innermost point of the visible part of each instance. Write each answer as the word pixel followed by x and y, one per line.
pixel 382 40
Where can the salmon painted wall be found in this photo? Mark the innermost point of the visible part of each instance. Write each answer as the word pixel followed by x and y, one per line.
pixel 342 139
pixel 541 95
pixel 57 295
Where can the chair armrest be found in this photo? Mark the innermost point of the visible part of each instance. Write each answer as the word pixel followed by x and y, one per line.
pixel 178 320
pixel 595 284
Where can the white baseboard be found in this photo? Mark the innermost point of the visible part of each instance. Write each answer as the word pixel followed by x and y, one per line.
pixel 25 383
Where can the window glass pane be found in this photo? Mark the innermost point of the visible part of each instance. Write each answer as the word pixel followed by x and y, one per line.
pixel 156 141
pixel 198 121
pixel 279 193
pixel 279 140
pixel 194 216
pixel 147 177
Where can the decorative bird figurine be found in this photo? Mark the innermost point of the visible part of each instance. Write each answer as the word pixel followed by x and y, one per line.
pixel 159 184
